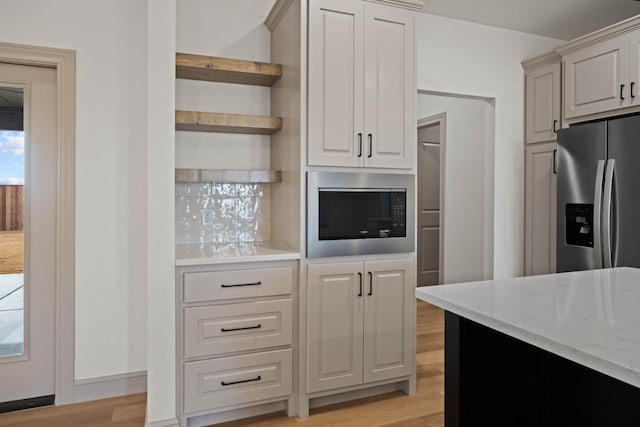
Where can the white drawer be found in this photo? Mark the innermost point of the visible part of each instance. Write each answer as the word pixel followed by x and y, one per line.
pixel 229 328
pixel 231 284
pixel 233 381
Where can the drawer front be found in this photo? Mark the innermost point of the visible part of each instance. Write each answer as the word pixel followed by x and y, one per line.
pixel 231 284
pixel 233 381
pixel 229 328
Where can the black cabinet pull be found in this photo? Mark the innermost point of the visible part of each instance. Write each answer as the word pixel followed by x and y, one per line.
pixel 360 144
pixel 360 277
pixel 621 89
pixel 370 283
pixel 258 326
pixel 555 126
pixel 241 284
pixel 555 156
pixel 370 145
pixel 631 90
pixel 258 378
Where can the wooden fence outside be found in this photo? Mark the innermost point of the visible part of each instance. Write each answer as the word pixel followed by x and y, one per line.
pixel 11 207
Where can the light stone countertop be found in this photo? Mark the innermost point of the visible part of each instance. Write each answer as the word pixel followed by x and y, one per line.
pixel 589 317
pixel 227 253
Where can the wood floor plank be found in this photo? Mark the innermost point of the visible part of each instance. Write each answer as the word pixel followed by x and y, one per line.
pixel 424 409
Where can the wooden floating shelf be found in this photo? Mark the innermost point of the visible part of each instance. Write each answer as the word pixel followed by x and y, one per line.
pixel 227 123
pixel 228 176
pixel 226 70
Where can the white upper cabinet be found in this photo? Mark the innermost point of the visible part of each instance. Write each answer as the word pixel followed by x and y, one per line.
pixel 361 85
pixel 543 103
pixel 597 78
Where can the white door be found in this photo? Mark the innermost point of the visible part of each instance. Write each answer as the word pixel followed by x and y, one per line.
pixel 336 83
pixel 543 104
pixel 334 330
pixel 428 205
pixel 389 313
pixel 390 95
pixel 28 371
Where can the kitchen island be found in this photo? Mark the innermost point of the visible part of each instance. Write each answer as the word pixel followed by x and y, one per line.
pixel 554 350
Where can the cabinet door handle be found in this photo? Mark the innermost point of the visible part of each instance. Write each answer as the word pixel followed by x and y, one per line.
pixel 555 161
pixel 360 144
pixel 370 283
pixel 631 90
pixel 241 284
pixel 360 277
pixel 370 145
pixel 223 383
pixel 555 126
pixel 258 326
pixel 621 90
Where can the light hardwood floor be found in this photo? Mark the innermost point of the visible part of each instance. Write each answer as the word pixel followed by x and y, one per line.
pixel 424 409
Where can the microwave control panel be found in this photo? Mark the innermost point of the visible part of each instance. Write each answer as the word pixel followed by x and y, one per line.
pixel 398 203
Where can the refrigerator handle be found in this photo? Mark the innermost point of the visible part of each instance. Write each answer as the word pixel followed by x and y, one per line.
pixel 597 216
pixel 606 213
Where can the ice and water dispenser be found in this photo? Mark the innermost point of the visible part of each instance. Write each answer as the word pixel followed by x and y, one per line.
pixel 579 224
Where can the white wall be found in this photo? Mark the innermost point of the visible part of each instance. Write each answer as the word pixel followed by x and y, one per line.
pixel 109 38
pixel 468 181
pixel 227 28
pixel 464 58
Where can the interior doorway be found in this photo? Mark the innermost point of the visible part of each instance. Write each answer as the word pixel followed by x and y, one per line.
pixel 431 152
pixel 28 172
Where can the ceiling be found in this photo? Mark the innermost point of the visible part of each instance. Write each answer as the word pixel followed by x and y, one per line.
pixel 561 19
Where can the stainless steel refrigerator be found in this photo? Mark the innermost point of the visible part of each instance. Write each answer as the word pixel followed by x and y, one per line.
pixel 598 167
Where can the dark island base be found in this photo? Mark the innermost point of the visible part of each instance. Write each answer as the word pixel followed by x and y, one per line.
pixel 492 379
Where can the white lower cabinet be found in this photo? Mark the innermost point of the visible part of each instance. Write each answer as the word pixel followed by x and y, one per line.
pixel 361 323
pixel 235 335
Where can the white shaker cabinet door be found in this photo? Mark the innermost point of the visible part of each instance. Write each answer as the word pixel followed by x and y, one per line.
pixel 543 104
pixel 389 313
pixel 336 86
pixel 634 67
pixel 334 330
pixel 540 209
pixel 390 88
pixel 596 79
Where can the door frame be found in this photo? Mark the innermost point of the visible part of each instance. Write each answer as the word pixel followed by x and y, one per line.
pixel 64 62
pixel 441 120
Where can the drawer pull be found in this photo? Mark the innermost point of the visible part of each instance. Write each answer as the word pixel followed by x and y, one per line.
pixel 241 284
pixel 258 326
pixel 258 378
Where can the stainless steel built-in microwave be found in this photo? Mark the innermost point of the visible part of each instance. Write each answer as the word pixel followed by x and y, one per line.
pixel 359 213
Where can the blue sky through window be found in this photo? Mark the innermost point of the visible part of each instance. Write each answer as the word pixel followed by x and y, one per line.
pixel 11 157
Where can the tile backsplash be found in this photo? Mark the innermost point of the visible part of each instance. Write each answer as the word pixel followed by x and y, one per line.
pixel 241 212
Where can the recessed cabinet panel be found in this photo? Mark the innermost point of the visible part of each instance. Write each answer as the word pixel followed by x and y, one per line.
pixel 229 328
pixel 634 67
pixel 389 76
pixel 540 234
pixel 334 326
pixel 388 328
pixel 543 104
pixel 594 78
pixel 335 82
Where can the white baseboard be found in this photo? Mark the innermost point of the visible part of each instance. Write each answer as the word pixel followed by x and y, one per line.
pixel 109 386
pixel 352 395
pixel 171 422
pixel 235 414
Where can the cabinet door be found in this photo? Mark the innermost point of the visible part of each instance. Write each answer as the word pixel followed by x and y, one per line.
pixel 389 319
pixel 543 104
pixel 390 87
pixel 336 118
pixel 334 326
pixel 594 78
pixel 634 67
pixel 540 210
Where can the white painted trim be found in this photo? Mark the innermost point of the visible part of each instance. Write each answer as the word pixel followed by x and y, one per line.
pixel 109 386
pixel 64 61
pixel 440 119
pixel 405 4
pixel 537 61
pixel 171 422
pixel 235 414
pixel 606 33
pixel 331 399
pixel 277 12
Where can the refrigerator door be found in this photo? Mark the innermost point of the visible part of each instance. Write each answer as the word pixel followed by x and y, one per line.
pixel 580 166
pixel 624 149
